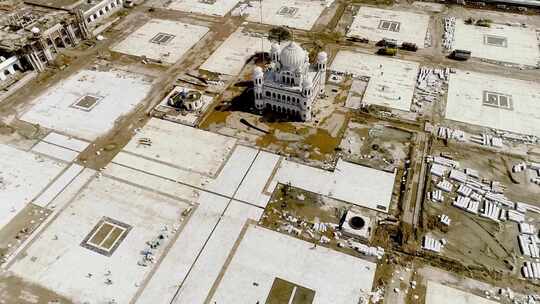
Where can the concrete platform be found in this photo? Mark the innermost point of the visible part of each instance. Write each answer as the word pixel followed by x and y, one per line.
pixel 59 253
pixel 264 255
pixel 391 81
pixel 211 7
pixel 163 40
pixel 376 24
pixel 467 102
pixel 299 14
pixel 102 96
pixel 23 176
pixel 349 182
pixel 231 56
pixel 503 43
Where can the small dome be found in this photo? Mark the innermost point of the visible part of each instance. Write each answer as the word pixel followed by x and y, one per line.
pixel 292 57
pixel 257 71
pixel 307 83
pixel 322 56
pixel 275 47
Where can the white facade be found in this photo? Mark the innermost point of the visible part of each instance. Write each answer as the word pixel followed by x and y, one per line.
pixel 9 67
pixel 291 84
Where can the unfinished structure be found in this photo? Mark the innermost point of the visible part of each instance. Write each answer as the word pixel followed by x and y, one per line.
pixel 291 84
pixel 31 33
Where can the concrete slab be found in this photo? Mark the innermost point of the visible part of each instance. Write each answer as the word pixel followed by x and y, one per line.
pixel 162 40
pixel 254 186
pixel 264 255
pixel 55 151
pixel 66 142
pixel 503 43
pixel 23 175
pixel 376 24
pixel 349 182
pixel 209 7
pixel 466 102
pixel 177 264
pixel 233 172
pixel 391 81
pixel 232 54
pixel 182 147
pixel 63 181
pixel 440 294
pixel 300 14
pixel 57 108
pixel 145 211
pixel 210 263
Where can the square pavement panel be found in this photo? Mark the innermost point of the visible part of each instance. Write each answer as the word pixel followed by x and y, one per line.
pixel 87 104
pixel 300 14
pixel 162 40
pixel 268 258
pixel 502 43
pixel 23 175
pixel 117 218
pixel 391 83
pixel 205 7
pixel 494 102
pixel 376 24
pixel 231 56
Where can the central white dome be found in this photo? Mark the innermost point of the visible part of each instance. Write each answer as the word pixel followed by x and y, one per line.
pixel 292 57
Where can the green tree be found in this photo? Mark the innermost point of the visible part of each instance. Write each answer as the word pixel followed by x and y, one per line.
pixel 279 34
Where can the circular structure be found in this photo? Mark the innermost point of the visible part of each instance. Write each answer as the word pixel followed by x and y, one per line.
pixel 190 100
pixel 292 57
pixel 357 223
pixel 322 57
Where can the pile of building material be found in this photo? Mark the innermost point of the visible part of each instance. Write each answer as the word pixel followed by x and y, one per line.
pixel 491 211
pixel 534 170
pixel 148 254
pixel 531 270
pixel 364 249
pixel 526 228
pixel 432 244
pixel 444 219
pixel 515 216
pixel 487 140
pixel 448 133
pixel 445 185
pixel 519 167
pixel 519 138
pixel 467 191
pixel 439 170
pixel 437 196
pixel 528 244
pixel 449 32
pixel 430 85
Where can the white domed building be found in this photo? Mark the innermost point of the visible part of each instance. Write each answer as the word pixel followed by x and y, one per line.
pixel 291 84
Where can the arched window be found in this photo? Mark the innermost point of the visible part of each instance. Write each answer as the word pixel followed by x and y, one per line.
pixel 274 95
pixel 289 98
